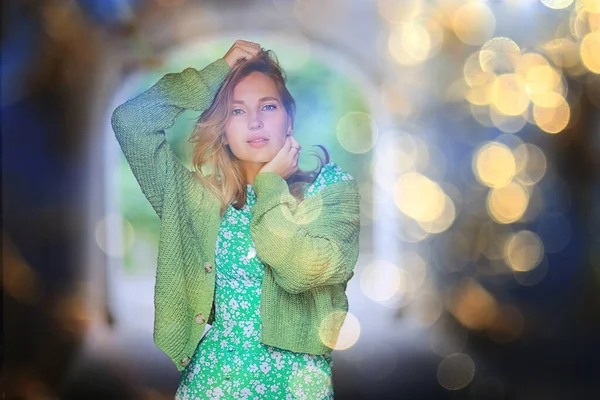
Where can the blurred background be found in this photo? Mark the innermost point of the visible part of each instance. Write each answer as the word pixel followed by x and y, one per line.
pixel 471 126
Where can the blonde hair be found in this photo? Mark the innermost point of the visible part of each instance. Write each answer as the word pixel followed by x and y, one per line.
pixel 214 163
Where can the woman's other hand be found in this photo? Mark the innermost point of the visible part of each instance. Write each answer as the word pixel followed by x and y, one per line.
pixel 240 50
pixel 285 162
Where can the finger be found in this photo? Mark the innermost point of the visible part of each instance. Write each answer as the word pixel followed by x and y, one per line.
pixel 246 51
pixel 288 143
pixel 254 49
pixel 295 143
pixel 243 51
pixel 253 44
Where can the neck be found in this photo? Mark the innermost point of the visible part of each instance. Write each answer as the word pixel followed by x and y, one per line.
pixel 250 170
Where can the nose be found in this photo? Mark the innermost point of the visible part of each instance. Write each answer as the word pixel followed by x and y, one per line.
pixel 255 122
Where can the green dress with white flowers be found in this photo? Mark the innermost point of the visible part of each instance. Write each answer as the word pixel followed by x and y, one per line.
pixel 230 361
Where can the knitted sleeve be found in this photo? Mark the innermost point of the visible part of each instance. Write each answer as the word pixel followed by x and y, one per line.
pixel 139 125
pixel 308 244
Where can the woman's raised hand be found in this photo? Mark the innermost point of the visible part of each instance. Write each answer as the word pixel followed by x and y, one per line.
pixel 285 162
pixel 241 49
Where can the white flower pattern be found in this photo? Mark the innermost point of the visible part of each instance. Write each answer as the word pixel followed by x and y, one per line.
pixel 230 361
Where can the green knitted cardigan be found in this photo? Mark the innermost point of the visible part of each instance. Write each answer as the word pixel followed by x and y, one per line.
pixel 309 248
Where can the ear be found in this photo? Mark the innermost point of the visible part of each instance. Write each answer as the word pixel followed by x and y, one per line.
pixel 289 130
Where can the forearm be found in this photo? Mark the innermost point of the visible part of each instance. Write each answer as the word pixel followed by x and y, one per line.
pixel 157 108
pixel 307 244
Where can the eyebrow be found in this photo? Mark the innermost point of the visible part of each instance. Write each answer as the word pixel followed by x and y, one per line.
pixel 260 100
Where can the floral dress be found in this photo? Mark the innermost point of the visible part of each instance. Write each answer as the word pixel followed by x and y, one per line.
pixel 230 361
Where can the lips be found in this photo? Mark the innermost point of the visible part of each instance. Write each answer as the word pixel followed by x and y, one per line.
pixel 257 137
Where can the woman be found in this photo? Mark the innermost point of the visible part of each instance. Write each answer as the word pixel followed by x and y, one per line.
pixel 248 243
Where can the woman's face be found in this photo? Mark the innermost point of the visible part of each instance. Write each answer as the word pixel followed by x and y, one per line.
pixel 256 112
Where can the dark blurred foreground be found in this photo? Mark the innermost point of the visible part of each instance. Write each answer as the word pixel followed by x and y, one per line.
pixel 55 90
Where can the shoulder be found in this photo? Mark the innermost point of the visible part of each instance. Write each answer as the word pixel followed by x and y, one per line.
pixel 330 173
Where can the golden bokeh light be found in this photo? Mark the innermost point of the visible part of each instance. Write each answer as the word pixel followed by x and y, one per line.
pixel 499 55
pixel 419 197
pixel 541 79
pixel 480 95
pixel 594 22
pixel 456 371
pixel 405 293
pixel 509 94
pixel 590 51
pixel 409 44
pixel 507 204
pixel 557 4
pixel 396 12
pixel 472 305
pixel 590 6
pixel 549 99
pixel 436 34
pixel 443 221
pixel 474 23
pixel 494 165
pixel 534 276
pixel 348 334
pixel 474 74
pixel 577 23
pixel 527 61
pixel 380 280
pixel 563 52
pixel 554 117
pixel 531 164
pixel 524 251
pixel 357 132
pixel 507 123
pixel 415 40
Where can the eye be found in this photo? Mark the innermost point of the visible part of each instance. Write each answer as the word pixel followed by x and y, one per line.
pixel 270 105
pixel 235 111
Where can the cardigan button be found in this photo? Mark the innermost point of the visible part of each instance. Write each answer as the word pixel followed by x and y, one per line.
pixel 200 319
pixel 207 267
pixel 185 362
